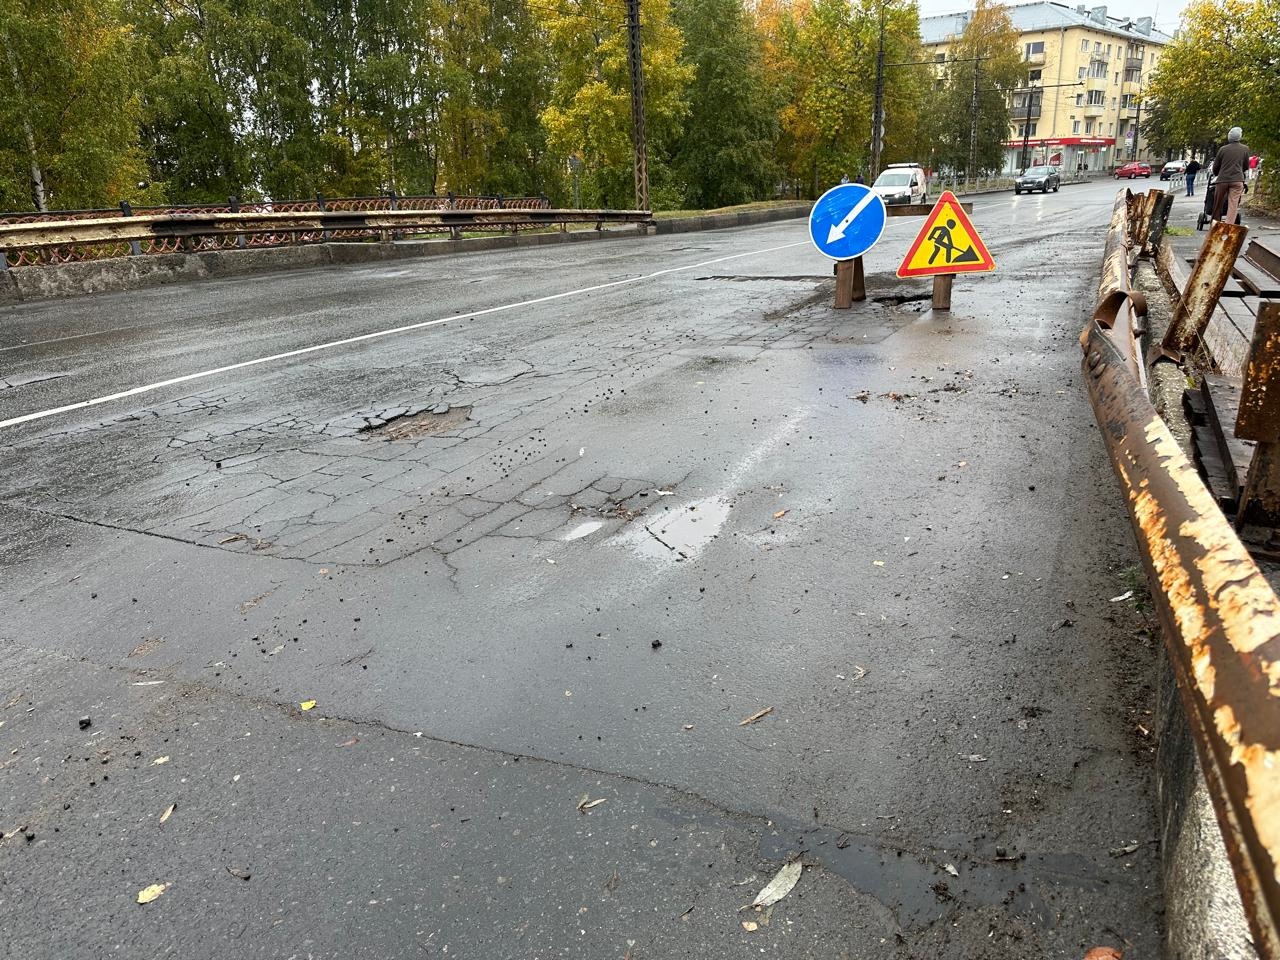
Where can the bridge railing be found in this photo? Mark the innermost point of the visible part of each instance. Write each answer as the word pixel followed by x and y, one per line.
pixel 1220 616
pixel 77 235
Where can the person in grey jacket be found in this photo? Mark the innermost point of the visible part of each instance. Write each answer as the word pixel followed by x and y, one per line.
pixel 1229 167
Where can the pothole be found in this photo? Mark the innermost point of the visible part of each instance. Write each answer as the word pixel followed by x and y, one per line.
pixel 414 425
pixel 898 299
pixel 746 278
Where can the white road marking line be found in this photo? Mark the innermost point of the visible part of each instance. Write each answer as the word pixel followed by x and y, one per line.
pixel 187 378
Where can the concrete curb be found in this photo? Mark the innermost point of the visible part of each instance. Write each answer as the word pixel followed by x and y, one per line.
pixel 135 273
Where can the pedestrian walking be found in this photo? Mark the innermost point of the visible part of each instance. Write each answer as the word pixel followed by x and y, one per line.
pixel 1229 167
pixel 1193 167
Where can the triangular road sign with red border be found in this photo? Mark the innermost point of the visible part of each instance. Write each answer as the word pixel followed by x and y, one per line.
pixel 947 243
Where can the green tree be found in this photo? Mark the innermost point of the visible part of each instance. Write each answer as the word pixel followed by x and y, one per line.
pixel 69 121
pixel 1222 70
pixel 588 116
pixel 985 63
pixel 723 157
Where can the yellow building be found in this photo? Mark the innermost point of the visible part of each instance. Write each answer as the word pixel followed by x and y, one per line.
pixel 1088 127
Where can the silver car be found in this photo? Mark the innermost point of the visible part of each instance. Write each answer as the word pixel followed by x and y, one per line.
pixel 1043 179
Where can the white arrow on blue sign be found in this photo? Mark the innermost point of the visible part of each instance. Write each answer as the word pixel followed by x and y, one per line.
pixel 847 221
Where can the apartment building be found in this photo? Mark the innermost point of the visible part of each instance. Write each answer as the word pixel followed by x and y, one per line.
pixel 1093 126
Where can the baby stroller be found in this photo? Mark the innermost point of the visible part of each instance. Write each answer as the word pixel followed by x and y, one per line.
pixel 1206 214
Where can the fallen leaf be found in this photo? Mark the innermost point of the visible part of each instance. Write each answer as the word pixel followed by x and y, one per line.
pixel 951 869
pixel 664 493
pixel 1104 953
pixel 307 704
pixel 963 463
pixel 231 539
pixel 239 873
pixel 783 882
pixel 973 757
pixel 168 812
pixel 756 716
pixel 1124 596
pixel 780 514
pixel 159 760
pixel 688 726
pixel 584 804
pixel 1124 851
pixel 147 894
pixel 877 563
pixel 750 926
pixel 859 672
pixel 350 743
pixel 147 683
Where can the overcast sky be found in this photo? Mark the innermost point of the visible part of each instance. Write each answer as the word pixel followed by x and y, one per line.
pixel 1165 12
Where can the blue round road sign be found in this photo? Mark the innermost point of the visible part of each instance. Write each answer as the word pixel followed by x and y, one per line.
pixel 847 221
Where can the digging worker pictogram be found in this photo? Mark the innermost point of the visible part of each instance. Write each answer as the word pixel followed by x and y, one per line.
pixel 940 237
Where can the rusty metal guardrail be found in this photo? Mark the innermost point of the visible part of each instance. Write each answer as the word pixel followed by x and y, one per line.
pixel 1221 618
pixel 193 231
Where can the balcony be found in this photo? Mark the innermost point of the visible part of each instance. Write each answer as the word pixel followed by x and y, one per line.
pixel 1096 83
pixel 1094 109
pixel 1019 113
pixel 1034 59
pixel 1129 113
pixel 1134 63
pixel 1130 88
pixel 1100 56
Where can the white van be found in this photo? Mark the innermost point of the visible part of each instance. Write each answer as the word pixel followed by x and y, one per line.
pixel 902 183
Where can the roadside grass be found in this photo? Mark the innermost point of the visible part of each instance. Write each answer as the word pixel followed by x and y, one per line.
pixel 739 208
pixel 1179 231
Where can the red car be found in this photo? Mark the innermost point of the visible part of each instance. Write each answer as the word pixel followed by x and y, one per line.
pixel 1132 170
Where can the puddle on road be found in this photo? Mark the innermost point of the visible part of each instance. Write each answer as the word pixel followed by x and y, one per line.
pixel 583 530
pixel 679 532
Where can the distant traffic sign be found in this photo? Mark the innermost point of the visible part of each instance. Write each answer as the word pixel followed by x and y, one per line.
pixel 947 243
pixel 846 221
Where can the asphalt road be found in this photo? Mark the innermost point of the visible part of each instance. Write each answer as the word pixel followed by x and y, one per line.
pixel 598 506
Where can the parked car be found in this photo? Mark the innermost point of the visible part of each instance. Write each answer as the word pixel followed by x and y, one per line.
pixel 1173 169
pixel 1043 179
pixel 902 183
pixel 1131 170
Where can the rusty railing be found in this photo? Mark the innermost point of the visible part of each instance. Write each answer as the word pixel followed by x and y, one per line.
pixel 1221 618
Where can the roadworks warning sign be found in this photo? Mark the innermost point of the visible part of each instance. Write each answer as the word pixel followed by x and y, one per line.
pixel 947 243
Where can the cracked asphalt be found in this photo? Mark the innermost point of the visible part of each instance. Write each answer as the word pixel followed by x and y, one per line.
pixel 559 551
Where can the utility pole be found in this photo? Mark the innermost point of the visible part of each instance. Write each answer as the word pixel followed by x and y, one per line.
pixel 971 173
pixel 877 114
pixel 637 105
pixel 1026 130
pixel 1137 128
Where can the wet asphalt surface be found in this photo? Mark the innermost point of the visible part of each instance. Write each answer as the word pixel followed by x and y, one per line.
pixel 562 551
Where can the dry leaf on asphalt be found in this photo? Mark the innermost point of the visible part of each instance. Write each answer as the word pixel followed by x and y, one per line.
pixel 756 716
pixel 168 812
pixel 951 869
pixel 973 757
pixel 147 894
pixel 584 804
pixel 1128 594
pixel 783 882
pixel 239 872
pixel 780 514
pixel 159 760
pixel 307 704
pixel 749 926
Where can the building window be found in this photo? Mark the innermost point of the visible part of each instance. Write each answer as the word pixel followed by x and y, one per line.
pixel 1117 79
pixel 1088 126
pixel 939 58
pixel 1075 127
pixel 1026 129
pixel 1111 128
pixel 1108 49
pixel 1084 45
pixel 1033 76
pixel 1097 46
pixel 1035 48
pixel 1113 103
pixel 1080 73
pixel 1097 98
pixel 1079 99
